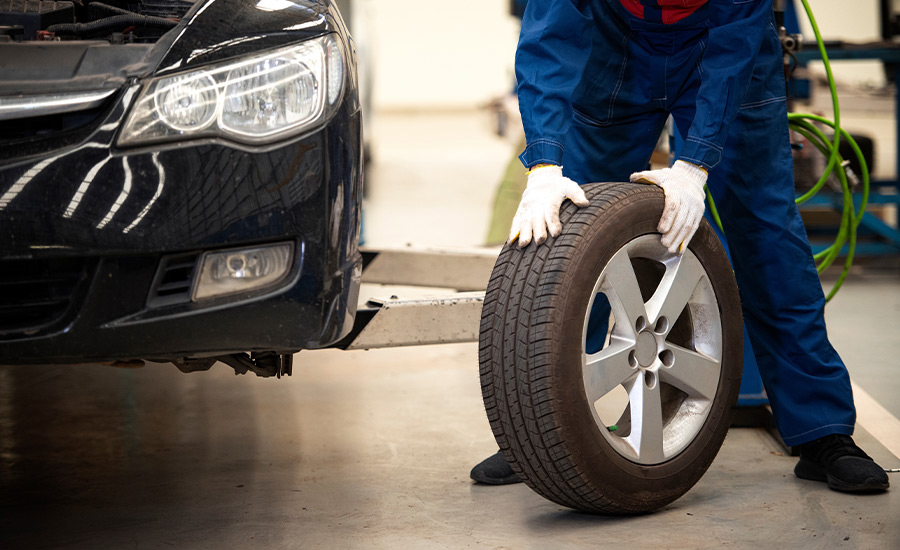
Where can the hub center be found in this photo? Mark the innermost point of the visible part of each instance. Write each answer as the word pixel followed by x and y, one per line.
pixel 645 349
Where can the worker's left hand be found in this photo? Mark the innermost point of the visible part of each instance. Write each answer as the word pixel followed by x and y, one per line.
pixel 685 201
pixel 538 212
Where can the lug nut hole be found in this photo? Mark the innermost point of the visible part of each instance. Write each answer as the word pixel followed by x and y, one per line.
pixel 640 324
pixel 667 357
pixel 650 379
pixel 632 359
pixel 662 325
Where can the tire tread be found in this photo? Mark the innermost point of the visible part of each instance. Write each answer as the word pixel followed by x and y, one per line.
pixel 518 351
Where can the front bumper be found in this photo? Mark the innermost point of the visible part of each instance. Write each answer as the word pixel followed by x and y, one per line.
pixel 73 202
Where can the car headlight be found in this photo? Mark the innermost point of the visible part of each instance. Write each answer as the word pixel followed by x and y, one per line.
pixel 254 100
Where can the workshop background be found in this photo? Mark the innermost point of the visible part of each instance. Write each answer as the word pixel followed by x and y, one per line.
pixel 372 449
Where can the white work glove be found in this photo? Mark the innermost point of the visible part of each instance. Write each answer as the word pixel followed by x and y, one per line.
pixel 539 208
pixel 685 201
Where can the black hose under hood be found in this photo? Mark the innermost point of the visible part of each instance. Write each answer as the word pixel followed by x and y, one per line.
pixel 113 9
pixel 112 23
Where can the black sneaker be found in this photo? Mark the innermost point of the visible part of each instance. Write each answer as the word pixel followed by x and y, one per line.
pixel 494 470
pixel 838 461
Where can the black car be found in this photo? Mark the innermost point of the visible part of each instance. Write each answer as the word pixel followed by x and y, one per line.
pixel 179 181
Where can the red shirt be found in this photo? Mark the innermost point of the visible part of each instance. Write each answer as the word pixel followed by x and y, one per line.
pixel 672 11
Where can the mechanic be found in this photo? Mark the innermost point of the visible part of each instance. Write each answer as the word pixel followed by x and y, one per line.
pixel 597 80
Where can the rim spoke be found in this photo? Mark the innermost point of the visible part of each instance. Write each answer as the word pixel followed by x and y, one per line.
pixel 693 373
pixel 607 369
pixel 683 274
pixel 621 285
pixel 638 352
pixel 646 422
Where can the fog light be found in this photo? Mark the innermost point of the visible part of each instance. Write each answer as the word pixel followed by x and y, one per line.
pixel 242 269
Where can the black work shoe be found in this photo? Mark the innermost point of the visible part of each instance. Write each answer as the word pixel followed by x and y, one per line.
pixel 494 470
pixel 838 461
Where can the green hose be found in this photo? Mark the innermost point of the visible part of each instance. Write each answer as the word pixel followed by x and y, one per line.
pixel 850 218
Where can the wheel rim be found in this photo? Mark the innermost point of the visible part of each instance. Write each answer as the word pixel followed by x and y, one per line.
pixel 652 384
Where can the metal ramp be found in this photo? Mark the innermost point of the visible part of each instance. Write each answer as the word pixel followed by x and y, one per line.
pixel 450 314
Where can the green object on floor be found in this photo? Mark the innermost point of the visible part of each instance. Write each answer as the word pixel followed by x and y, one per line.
pixel 506 201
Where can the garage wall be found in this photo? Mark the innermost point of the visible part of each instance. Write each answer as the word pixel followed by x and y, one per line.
pixel 856 21
pixel 448 55
pixel 428 54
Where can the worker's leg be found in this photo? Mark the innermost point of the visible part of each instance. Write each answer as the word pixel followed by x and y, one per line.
pixel 614 129
pixel 806 381
pixel 781 296
pixel 608 153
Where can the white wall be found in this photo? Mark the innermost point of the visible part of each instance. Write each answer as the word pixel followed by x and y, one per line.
pixel 429 54
pixel 852 21
pixel 446 55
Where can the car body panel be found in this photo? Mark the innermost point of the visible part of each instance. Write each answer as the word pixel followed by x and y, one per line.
pixel 121 212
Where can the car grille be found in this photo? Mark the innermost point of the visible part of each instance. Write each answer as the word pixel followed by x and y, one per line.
pixel 174 280
pixel 37 295
pixel 13 131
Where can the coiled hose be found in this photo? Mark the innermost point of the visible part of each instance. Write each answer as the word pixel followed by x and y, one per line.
pixel 803 124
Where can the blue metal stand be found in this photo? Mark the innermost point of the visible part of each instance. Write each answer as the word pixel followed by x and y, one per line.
pixel 888 237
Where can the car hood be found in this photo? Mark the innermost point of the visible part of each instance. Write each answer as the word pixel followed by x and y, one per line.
pixel 213 30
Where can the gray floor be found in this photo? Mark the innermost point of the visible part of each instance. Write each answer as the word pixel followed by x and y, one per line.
pixel 863 321
pixel 372 449
pixel 356 450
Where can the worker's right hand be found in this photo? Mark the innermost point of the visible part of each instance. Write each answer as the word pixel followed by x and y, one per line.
pixel 538 210
pixel 683 185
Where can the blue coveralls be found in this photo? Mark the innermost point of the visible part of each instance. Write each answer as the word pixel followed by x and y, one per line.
pixel 596 85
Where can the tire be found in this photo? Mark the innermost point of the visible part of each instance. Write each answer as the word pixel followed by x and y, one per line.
pixel 536 375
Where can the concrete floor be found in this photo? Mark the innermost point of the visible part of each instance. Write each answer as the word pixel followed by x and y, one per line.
pixel 372 449
pixel 356 450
